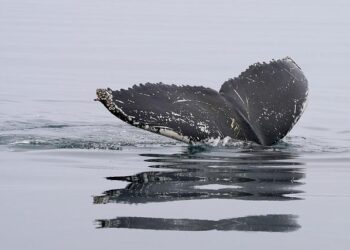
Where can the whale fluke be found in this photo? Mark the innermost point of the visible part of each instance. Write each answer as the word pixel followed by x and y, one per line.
pixel 261 105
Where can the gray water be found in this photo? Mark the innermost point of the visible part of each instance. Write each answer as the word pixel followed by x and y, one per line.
pixel 74 177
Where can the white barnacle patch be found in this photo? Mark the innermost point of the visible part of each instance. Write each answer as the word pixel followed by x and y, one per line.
pixel 235 127
pixel 116 100
pixel 181 100
pixel 247 104
pixel 180 120
pixel 296 118
pixel 172 134
pixel 152 118
pixel 203 127
pixel 232 122
pixel 295 106
pixel 105 96
pixel 131 118
pixel 265 113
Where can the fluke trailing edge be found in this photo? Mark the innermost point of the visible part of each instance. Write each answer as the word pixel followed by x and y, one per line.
pixel 261 105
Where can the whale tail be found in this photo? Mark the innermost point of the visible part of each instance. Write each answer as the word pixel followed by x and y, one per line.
pixel 261 105
pixel 269 97
pixel 186 113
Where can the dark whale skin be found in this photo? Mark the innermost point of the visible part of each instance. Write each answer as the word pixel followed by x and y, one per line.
pixel 261 105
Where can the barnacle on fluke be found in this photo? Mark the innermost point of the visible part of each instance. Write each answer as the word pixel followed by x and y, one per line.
pixel 261 105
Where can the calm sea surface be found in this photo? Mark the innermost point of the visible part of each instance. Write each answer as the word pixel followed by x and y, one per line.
pixel 74 177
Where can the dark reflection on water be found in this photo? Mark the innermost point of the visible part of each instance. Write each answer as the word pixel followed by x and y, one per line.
pixel 266 223
pixel 207 173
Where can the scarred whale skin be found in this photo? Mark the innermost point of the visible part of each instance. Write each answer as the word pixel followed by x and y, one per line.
pixel 261 105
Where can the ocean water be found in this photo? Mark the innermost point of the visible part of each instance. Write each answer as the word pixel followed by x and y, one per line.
pixel 72 176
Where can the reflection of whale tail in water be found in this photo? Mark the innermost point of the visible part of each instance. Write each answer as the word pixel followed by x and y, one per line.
pixel 268 176
pixel 215 183
pixel 263 223
pixel 260 105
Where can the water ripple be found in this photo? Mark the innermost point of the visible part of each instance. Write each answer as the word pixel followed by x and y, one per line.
pixel 47 134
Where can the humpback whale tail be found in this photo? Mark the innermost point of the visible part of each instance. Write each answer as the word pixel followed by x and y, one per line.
pixel 261 105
